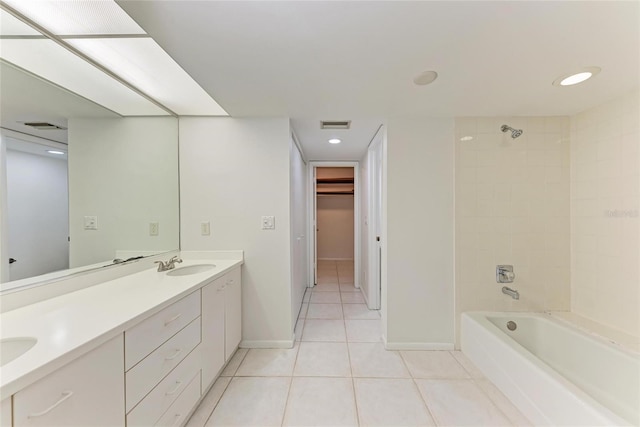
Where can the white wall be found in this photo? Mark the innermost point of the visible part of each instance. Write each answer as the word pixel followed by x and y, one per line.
pixel 124 171
pixel 232 172
pixel 605 230
pixel 418 278
pixel 512 207
pixel 37 214
pixel 335 226
pixel 299 242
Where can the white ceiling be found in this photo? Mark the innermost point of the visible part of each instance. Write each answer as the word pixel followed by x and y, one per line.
pixel 346 60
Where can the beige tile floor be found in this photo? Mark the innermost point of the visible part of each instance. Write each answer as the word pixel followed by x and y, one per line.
pixel 339 374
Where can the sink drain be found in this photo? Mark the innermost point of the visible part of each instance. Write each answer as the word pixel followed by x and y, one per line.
pixel 511 325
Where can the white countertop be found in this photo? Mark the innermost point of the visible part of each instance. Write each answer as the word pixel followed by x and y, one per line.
pixel 70 325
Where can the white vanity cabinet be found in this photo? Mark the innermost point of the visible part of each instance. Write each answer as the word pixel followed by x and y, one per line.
pixel 86 392
pixel 232 312
pixel 221 323
pixel 162 363
pixel 5 413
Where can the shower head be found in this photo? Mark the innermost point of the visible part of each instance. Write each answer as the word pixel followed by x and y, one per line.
pixel 514 132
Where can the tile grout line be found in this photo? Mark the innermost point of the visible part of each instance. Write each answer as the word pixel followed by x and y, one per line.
pixel 353 382
pixel 286 402
pixel 482 390
pixel 219 399
pixel 415 384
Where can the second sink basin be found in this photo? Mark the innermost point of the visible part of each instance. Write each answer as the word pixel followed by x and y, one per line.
pixel 190 269
pixel 12 348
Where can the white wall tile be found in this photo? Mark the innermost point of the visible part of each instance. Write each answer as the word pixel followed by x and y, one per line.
pixel 517 196
pixel 604 213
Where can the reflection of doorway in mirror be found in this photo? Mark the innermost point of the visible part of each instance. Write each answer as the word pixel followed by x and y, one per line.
pixel 37 209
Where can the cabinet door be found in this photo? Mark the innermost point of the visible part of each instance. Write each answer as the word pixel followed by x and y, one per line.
pixel 89 391
pixel 212 345
pixel 5 412
pixel 232 312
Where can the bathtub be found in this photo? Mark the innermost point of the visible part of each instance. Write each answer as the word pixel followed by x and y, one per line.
pixel 553 373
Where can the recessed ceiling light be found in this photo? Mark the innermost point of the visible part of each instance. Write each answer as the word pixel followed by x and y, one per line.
pixel 335 141
pixel 575 78
pixel 466 138
pixel 425 78
pixel 60 153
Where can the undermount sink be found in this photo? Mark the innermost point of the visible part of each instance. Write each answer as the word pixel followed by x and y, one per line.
pixel 12 348
pixel 190 269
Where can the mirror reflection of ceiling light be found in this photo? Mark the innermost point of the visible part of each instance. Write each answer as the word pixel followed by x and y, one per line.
pixel 466 138
pixel 573 79
pixel 60 153
pixel 335 141
pixel 129 74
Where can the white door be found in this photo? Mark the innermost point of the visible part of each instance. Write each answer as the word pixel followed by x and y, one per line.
pixel 314 221
pixel 375 219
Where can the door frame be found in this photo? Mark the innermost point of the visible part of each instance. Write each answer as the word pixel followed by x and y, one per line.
pixel 313 255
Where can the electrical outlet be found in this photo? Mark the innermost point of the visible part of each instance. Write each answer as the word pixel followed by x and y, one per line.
pixel 268 222
pixel 205 228
pixel 154 228
pixel 90 222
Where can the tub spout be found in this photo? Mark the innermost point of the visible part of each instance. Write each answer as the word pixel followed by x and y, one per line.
pixel 511 292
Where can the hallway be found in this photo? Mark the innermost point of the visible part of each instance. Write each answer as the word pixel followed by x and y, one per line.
pixel 339 373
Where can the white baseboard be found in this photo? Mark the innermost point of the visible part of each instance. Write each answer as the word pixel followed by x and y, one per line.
pixel 267 343
pixel 335 259
pixel 418 345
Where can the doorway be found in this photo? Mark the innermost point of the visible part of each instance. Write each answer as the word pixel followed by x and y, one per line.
pixel 334 221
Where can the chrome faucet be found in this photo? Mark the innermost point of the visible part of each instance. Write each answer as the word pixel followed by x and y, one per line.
pixel 511 292
pixel 168 265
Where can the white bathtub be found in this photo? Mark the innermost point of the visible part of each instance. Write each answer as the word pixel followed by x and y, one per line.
pixel 553 373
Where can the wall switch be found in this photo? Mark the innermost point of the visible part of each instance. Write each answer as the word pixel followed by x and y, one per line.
pixel 154 228
pixel 90 222
pixel 268 222
pixel 205 228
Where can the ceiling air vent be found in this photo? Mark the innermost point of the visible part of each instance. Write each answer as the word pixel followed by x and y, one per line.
pixel 43 126
pixel 335 124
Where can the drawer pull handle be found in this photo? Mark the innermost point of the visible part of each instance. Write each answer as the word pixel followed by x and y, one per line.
pixel 230 282
pixel 221 288
pixel 173 319
pixel 175 389
pixel 177 419
pixel 174 355
pixel 65 396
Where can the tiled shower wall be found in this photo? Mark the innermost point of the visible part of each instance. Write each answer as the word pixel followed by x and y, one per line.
pixel 512 207
pixel 605 160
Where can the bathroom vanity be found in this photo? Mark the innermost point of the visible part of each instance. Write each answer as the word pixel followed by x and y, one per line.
pixel 139 350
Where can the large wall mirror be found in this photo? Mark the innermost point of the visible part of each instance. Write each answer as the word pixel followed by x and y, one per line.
pixel 82 187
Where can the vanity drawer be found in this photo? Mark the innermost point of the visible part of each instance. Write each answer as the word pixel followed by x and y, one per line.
pixel 176 414
pixel 146 374
pixel 167 393
pixel 146 336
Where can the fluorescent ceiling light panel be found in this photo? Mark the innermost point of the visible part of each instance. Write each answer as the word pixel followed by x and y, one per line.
pixel 52 62
pixel 145 65
pixel 12 26
pixel 78 17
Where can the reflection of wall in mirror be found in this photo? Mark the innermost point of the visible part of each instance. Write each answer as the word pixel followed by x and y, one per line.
pixel 37 214
pixel 124 172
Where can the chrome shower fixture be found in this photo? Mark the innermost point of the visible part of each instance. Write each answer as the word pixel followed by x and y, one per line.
pixel 514 132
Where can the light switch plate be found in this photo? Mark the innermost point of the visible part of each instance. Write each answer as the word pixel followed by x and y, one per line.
pixel 268 222
pixel 154 228
pixel 205 228
pixel 90 222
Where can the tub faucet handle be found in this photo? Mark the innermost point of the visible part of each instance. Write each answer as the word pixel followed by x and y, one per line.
pixel 505 274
